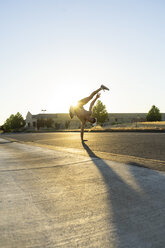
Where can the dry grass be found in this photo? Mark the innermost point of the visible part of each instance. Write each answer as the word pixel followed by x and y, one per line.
pixel 137 126
pixel 97 128
pixel 154 123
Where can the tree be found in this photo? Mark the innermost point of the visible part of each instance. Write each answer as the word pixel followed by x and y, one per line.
pixel 45 123
pixel 154 114
pixel 67 123
pixel 41 123
pixel 14 123
pixel 49 122
pixel 2 128
pixel 57 125
pixel 100 112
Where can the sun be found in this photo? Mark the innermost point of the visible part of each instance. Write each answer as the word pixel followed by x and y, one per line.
pixel 60 100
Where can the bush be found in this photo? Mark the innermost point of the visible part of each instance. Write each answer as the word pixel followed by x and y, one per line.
pixel 154 114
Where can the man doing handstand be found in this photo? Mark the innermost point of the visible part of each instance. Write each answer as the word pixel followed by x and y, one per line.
pixel 83 114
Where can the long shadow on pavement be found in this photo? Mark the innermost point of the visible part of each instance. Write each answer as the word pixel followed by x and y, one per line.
pixel 134 213
pixel 5 142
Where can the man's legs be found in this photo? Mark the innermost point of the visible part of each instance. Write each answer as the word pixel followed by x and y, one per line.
pixel 87 99
pixel 89 117
pixel 93 102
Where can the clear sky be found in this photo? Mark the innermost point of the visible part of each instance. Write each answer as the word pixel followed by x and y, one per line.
pixel 55 52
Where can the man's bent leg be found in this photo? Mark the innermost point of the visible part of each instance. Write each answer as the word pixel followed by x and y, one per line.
pixel 87 99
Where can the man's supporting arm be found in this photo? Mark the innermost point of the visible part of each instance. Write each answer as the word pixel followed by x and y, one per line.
pixel 82 130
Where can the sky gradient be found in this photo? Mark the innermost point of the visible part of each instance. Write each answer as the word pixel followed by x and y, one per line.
pixel 54 53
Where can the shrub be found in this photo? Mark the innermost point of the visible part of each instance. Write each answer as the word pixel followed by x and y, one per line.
pixel 154 114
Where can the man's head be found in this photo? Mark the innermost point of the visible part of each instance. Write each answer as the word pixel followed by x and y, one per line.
pixel 92 120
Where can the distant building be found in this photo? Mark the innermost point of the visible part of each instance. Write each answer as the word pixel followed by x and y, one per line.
pixel 56 120
pixel 31 120
pixel 61 119
pixel 118 118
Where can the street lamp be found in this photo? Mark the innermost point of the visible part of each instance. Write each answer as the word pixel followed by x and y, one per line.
pixel 43 110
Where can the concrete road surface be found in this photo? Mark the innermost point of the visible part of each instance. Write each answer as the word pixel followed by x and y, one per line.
pixel 51 198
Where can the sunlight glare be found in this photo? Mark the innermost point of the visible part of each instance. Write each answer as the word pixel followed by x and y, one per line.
pixel 60 101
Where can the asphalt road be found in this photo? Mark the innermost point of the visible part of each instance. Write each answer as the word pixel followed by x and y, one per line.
pixel 55 199
pixel 146 149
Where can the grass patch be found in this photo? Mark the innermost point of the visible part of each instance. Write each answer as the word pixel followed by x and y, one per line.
pixel 136 126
